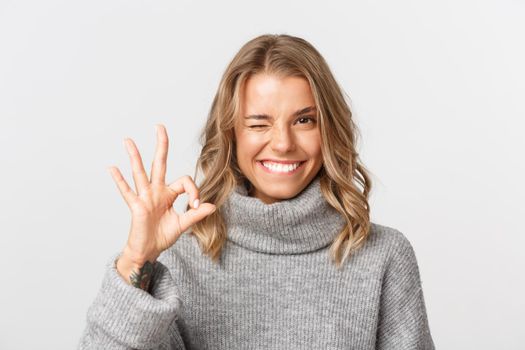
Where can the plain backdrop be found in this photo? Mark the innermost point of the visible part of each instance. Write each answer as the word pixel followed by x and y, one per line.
pixel 436 88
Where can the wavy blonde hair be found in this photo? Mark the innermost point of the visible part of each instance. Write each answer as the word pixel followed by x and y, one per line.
pixel 345 183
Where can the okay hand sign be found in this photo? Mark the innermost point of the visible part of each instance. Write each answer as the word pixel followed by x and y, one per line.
pixel 155 225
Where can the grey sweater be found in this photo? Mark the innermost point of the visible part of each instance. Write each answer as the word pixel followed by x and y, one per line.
pixel 275 288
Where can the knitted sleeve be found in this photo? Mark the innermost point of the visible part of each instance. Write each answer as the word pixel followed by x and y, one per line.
pixel 403 322
pixel 125 317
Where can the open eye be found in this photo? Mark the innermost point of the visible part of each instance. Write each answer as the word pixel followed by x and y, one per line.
pixel 307 117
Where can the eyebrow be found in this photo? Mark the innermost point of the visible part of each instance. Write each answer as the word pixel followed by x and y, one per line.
pixel 266 116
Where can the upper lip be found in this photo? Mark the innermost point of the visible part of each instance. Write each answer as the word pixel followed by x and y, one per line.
pixel 281 161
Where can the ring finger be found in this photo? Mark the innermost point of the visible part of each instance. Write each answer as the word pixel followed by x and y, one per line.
pixel 139 174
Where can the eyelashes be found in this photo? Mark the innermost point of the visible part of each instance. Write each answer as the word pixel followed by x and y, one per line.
pixel 308 117
pixel 312 119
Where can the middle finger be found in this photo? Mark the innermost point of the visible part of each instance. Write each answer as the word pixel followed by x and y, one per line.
pixel 158 169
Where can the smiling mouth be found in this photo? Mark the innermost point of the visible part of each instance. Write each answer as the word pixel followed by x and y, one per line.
pixel 279 168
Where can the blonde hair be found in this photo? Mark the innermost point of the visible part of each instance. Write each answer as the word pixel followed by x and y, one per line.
pixel 345 183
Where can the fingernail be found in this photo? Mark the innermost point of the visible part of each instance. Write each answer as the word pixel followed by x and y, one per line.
pixel 196 203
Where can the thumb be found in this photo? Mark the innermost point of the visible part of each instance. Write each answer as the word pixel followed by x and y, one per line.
pixel 193 216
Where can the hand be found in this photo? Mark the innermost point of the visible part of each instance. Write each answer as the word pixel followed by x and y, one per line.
pixel 155 225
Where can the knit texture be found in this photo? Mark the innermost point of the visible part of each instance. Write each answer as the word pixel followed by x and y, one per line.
pixel 274 288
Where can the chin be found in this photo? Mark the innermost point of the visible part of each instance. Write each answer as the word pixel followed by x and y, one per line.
pixel 280 192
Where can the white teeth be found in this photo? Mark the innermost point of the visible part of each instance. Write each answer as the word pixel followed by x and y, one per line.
pixel 282 168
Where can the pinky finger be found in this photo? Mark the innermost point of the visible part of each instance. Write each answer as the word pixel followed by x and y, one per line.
pixel 126 191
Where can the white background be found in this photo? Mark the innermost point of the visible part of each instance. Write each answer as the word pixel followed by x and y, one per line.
pixel 437 90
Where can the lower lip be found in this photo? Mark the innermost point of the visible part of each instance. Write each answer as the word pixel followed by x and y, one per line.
pixel 269 171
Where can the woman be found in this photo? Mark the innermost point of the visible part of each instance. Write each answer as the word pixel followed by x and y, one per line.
pixel 281 253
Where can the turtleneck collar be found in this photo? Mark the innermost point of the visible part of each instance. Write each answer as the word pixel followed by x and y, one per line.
pixel 300 224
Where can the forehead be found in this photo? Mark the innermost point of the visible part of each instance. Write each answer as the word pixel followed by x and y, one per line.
pixel 269 91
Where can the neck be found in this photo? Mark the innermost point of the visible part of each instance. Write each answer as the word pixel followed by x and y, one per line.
pixel 297 225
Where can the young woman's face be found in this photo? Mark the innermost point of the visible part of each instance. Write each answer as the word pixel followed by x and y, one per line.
pixel 278 140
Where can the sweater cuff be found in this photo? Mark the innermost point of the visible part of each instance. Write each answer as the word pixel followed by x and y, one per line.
pixel 131 315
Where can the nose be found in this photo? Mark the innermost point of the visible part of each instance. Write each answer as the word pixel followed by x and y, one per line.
pixel 282 140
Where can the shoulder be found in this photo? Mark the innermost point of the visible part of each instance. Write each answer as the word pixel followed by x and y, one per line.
pixel 388 238
pixel 399 254
pixel 391 244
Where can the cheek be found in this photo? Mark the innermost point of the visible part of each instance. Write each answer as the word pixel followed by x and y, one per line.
pixel 312 145
pixel 248 146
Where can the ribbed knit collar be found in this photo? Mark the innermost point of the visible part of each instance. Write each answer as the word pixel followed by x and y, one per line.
pixel 301 224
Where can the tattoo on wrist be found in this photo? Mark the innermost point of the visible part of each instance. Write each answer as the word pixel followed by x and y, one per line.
pixel 142 278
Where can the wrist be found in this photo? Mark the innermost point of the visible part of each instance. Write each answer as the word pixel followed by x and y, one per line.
pixel 136 270
pixel 135 259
